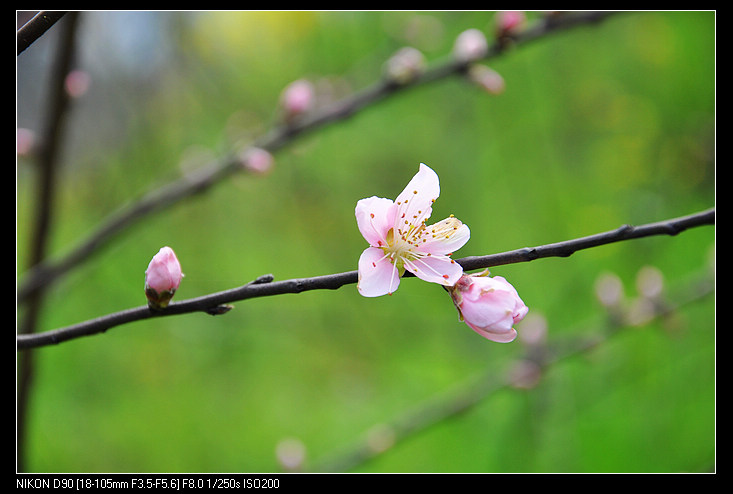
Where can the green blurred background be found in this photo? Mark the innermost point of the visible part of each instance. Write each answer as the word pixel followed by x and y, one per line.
pixel 599 126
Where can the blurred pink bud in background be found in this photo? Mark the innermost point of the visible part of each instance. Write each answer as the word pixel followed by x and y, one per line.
pixel 405 65
pixel 257 160
pixel 77 83
pixel 26 140
pixel 291 454
pixel 297 98
pixel 486 78
pixel 508 22
pixel 470 45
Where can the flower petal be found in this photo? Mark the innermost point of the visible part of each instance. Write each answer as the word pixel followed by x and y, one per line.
pixel 164 271
pixel 415 203
pixel 492 304
pixel 435 269
pixel 499 338
pixel 377 275
pixel 447 241
pixel 375 216
pixel 520 308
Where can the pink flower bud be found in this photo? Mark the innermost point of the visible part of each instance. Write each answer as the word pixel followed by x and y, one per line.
pixel 26 142
pixel 609 290
pixel 297 98
pixel 77 83
pixel 256 160
pixel 162 278
pixel 486 78
pixel 405 66
pixel 470 45
pixel 291 454
pixel 509 22
pixel 490 306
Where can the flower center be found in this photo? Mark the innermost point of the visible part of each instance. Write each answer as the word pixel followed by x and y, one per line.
pixel 400 245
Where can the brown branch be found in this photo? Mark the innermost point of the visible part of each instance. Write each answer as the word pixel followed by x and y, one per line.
pixel 264 286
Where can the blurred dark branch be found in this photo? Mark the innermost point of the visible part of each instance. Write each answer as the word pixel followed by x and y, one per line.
pixel 44 200
pixel 200 181
pixel 524 373
pixel 36 27
pixel 264 286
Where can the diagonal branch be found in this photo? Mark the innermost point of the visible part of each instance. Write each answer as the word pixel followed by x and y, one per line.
pixel 264 286
pixel 36 27
pixel 157 200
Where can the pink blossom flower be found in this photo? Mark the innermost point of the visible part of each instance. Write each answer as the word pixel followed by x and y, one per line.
pixel 399 238
pixel 162 278
pixel 490 306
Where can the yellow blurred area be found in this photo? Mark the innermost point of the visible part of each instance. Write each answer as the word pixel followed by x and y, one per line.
pixel 237 34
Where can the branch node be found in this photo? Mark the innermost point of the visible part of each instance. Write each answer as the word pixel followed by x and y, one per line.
pixel 265 278
pixel 219 309
pixel 624 229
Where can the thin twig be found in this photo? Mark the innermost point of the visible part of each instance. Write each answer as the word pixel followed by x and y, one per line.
pixel 280 136
pixel 266 287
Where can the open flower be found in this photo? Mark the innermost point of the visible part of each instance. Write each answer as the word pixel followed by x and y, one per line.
pixel 162 278
pixel 490 306
pixel 399 238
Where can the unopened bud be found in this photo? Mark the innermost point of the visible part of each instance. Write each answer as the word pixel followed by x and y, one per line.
pixel 509 22
pixel 256 160
pixel 490 306
pixel 77 83
pixel 25 141
pixel 609 290
pixel 405 66
pixel 534 330
pixel 290 453
pixel 486 78
pixel 470 45
pixel 162 278
pixel 297 98
pixel 650 282
pixel 525 374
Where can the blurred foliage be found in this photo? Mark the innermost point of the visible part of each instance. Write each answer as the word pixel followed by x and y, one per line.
pixel 599 126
